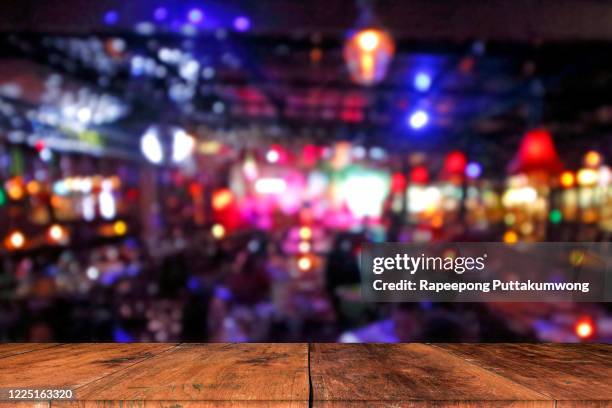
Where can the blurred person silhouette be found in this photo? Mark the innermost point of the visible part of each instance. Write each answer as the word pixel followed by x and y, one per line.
pixel 342 268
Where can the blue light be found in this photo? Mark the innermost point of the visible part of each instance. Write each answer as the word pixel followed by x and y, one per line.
pixel 418 119
pixel 121 335
pixel 242 23
pixel 422 81
pixel 160 13
pixel 111 17
pixel 473 170
pixel 195 16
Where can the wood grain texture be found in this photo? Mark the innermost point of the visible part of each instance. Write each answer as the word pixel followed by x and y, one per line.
pixel 408 375
pixel 258 373
pixel 601 350
pixel 582 374
pixel 178 404
pixel 12 349
pixel 341 375
pixel 72 365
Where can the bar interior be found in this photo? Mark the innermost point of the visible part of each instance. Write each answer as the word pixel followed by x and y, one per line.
pixel 207 171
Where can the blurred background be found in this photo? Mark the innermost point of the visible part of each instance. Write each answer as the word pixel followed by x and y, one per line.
pixel 208 170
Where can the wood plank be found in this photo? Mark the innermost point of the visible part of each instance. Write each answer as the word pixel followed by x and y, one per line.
pixel 12 349
pixel 408 375
pixel 556 370
pixel 72 365
pixel 258 373
pixel 591 349
pixel 173 404
pixel 583 404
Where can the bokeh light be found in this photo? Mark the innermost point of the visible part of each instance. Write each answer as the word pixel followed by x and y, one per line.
pixel 418 119
pixel 242 23
pixel 422 81
pixel 195 16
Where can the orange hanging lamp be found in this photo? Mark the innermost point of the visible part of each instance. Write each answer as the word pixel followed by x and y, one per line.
pixel 368 50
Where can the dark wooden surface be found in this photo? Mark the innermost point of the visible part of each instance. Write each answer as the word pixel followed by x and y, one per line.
pixel 316 375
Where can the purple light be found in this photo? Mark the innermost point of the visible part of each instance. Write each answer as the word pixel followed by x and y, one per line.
pixel 195 16
pixel 242 23
pixel 418 119
pixel 111 17
pixel 473 170
pixel 160 13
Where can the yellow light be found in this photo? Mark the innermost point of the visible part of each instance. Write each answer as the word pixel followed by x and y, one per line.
pixel 221 199
pixel 210 147
pixel 509 219
pixel 305 233
pixel 68 183
pixel 16 240
pixel 526 228
pixel 510 237
pixel 120 227
pixel 587 177
pixel 218 231
pixel 304 263
pixel 567 179
pixel 56 233
pixel 304 247
pixel 367 65
pixel 576 257
pixel 14 190
pixel 115 182
pixel 368 40
pixel 592 159
pixel 33 187
pixel 584 329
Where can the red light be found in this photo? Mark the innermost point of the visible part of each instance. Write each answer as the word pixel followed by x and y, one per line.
pixel 537 152
pixel 39 146
pixel 195 189
pixel 467 64
pixel 398 183
pixel 310 155
pixel 132 194
pixel 419 175
pixel 455 163
pixel 584 328
pixel 351 115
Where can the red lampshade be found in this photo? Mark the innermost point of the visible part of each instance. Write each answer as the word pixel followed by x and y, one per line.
pixel 536 153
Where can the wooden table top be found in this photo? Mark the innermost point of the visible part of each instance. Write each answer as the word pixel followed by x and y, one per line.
pixel 315 375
